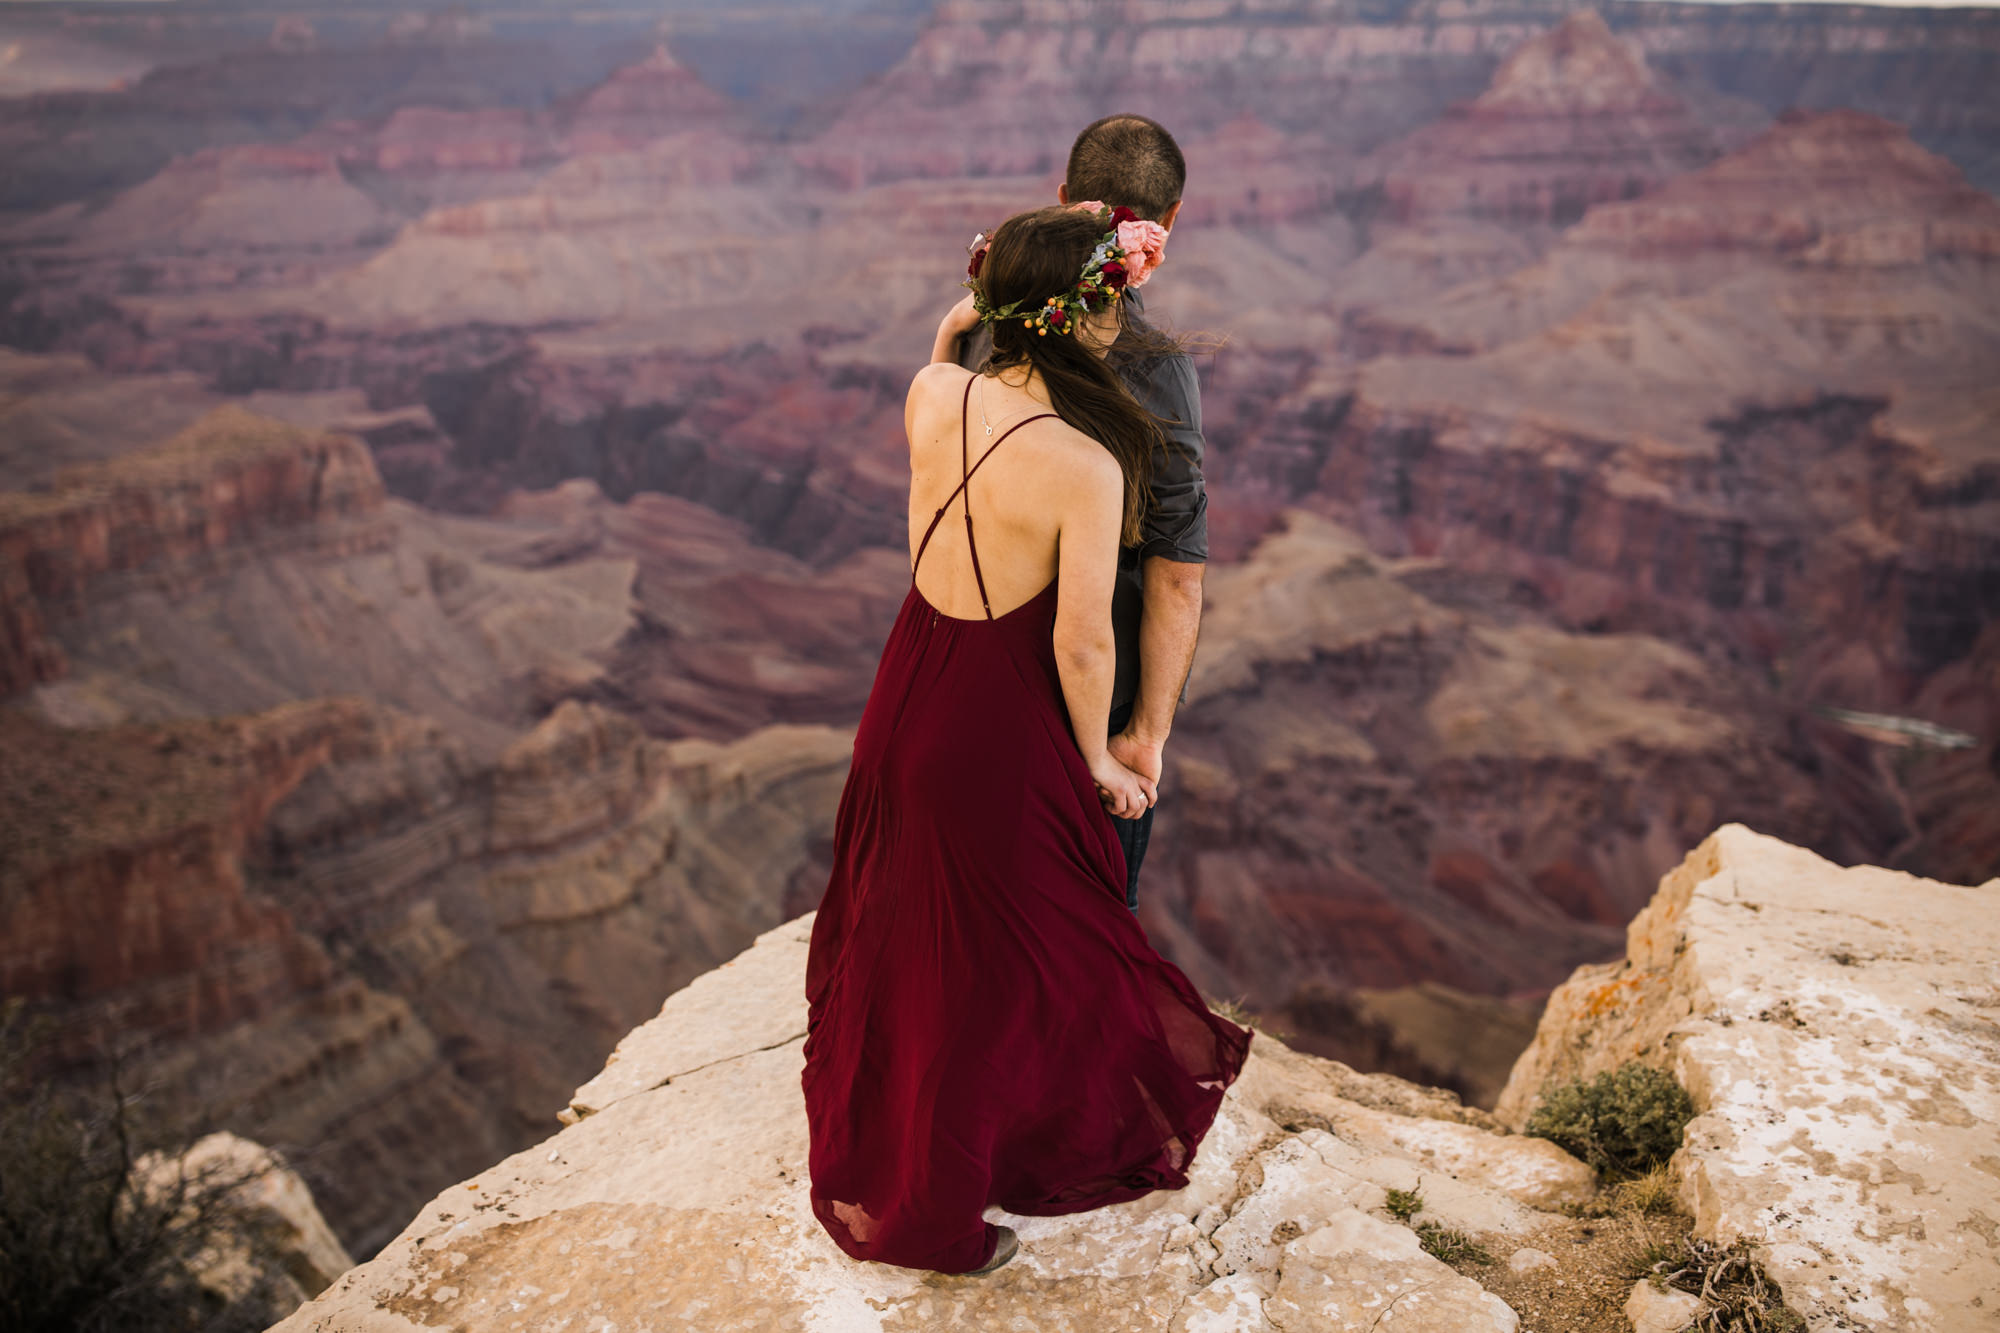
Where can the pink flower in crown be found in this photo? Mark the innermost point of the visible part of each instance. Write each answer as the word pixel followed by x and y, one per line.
pixel 1143 243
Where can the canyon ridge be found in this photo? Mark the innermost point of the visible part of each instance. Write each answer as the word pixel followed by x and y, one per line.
pixel 455 499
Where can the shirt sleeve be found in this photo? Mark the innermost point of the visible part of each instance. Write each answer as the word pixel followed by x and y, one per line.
pixel 1177 526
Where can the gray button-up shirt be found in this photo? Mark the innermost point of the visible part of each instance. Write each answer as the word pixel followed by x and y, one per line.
pixel 1176 525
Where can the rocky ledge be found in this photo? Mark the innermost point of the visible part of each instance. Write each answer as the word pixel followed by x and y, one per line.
pixel 1839 1030
pixel 675 1197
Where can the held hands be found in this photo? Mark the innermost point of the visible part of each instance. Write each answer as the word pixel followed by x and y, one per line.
pixel 1142 757
pixel 1125 793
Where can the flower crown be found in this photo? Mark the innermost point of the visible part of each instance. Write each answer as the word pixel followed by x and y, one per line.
pixel 1124 257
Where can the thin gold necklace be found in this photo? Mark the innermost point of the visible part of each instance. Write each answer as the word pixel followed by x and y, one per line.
pixel 982 407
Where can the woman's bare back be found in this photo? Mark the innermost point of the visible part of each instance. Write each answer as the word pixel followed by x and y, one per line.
pixel 1033 464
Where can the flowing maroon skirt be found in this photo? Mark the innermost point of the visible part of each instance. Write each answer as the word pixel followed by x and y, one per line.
pixel 987 1022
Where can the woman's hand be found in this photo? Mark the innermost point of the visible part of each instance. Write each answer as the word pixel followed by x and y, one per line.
pixel 962 318
pixel 1125 794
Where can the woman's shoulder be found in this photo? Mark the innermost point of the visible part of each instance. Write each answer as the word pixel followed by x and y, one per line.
pixel 935 394
pixel 1079 458
pixel 937 380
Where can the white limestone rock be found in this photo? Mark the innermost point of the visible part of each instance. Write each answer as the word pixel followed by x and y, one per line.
pixel 675 1199
pixel 707 1021
pixel 1652 1310
pixel 1839 1031
pixel 1358 1274
pixel 273 1247
pixel 1532 1171
pixel 1233 1304
pixel 1393 1120
pixel 1527 1259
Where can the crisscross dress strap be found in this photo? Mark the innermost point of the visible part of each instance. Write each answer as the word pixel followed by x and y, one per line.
pixel 963 488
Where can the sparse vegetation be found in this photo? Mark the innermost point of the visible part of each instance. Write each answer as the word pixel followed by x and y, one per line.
pixel 1737 1296
pixel 1653 1194
pixel 1650 1255
pixel 95 1237
pixel 1234 1011
pixel 1441 1242
pixel 1625 1123
pixel 1449 1244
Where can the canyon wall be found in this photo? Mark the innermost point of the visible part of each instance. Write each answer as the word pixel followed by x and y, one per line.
pixel 468 468
pixel 412 913
pixel 332 928
pixel 227 480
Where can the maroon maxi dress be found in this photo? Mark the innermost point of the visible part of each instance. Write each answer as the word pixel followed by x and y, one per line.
pixel 986 1021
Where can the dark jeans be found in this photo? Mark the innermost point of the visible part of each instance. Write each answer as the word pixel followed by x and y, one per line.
pixel 1133 834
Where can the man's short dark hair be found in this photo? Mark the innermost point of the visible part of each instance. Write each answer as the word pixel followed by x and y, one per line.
pixel 1130 160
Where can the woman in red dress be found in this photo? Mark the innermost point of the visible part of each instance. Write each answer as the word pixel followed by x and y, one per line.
pixel 987 1022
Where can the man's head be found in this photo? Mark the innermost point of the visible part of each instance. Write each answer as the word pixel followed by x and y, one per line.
pixel 1130 160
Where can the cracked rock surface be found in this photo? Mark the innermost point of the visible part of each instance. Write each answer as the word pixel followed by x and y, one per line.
pixel 675 1199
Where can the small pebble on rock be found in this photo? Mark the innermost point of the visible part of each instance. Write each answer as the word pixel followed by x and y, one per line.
pixel 1527 1259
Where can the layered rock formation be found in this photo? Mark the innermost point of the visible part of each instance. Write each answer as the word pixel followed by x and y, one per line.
pixel 187 605
pixel 997 87
pixel 689 1151
pixel 229 206
pixel 642 102
pixel 1795 336
pixel 335 925
pixel 124 888
pixel 1621 428
pixel 1572 118
pixel 336 930
pixel 1867 58
pixel 1378 781
pixel 631 373
pixel 221 93
pixel 729 633
pixel 36 59
pixel 1845 1063
pixel 224 480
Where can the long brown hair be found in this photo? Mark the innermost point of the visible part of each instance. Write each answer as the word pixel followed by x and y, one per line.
pixel 1036 255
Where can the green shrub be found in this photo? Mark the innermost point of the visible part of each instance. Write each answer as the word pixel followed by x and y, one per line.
pixel 1624 1123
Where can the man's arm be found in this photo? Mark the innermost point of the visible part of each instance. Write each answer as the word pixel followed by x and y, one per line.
pixel 958 321
pixel 1167 634
pixel 1173 557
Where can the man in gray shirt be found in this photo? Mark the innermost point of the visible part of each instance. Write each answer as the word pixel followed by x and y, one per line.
pixel 1156 607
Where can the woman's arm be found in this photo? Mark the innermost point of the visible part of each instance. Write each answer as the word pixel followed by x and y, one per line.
pixel 1086 570
pixel 958 321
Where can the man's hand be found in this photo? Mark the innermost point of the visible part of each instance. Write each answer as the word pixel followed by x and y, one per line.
pixel 1142 757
